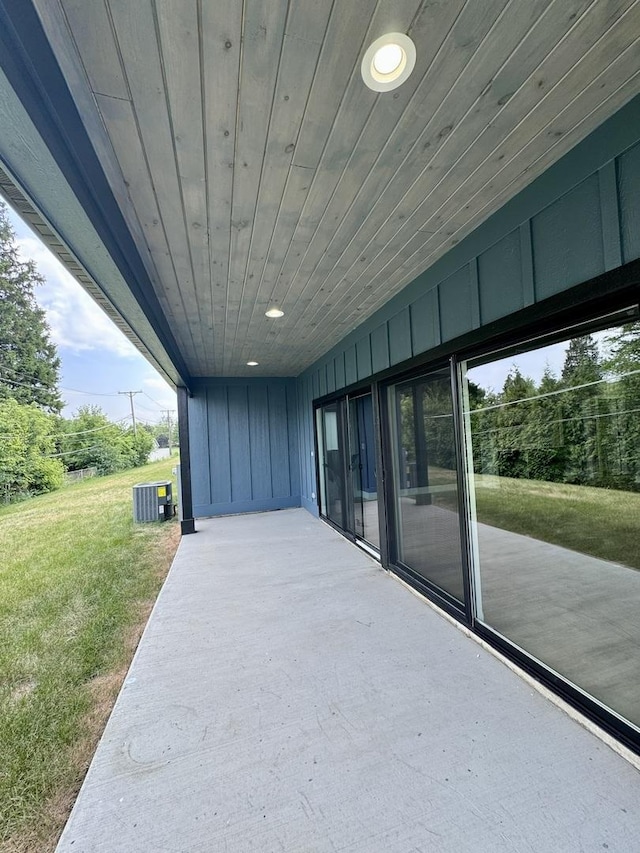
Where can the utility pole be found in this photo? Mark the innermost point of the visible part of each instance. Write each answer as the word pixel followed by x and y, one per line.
pixel 131 395
pixel 168 413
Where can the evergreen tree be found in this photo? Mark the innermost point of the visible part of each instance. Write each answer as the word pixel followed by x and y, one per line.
pixel 512 424
pixel 622 437
pixel 545 430
pixel 581 373
pixel 28 362
pixel 582 364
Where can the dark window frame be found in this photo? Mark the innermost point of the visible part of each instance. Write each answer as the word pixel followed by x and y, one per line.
pixel 585 307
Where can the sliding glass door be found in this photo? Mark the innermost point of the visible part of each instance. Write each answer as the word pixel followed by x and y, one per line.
pixel 331 455
pixel 553 436
pixel 425 482
pixel 364 489
pixel 347 466
pixel 511 495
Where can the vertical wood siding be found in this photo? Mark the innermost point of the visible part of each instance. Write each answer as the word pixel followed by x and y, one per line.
pixel 244 438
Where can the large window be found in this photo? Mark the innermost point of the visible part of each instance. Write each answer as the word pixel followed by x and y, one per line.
pixel 427 524
pixel 553 445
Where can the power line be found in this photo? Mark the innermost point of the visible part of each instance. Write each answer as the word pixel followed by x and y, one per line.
pixel 610 379
pixel 73 452
pixel 145 409
pixel 159 405
pixel 88 393
pixel 34 380
pixel 78 432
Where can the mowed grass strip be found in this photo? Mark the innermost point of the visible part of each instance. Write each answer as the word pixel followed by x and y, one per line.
pixel 600 522
pixel 77 582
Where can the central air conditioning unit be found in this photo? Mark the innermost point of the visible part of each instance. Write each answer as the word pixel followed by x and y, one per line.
pixel 152 501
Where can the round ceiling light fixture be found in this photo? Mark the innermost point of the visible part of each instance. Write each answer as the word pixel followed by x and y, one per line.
pixel 274 312
pixel 252 364
pixel 388 62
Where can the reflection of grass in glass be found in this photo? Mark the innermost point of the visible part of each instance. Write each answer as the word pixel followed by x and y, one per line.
pixel 602 522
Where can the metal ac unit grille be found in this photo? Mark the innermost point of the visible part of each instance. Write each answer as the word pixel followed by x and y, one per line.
pixel 147 504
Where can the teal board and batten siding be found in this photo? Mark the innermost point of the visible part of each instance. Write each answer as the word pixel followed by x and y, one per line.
pixel 579 219
pixel 243 435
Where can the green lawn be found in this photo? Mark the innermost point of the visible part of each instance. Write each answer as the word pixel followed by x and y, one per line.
pixel 601 522
pixel 77 579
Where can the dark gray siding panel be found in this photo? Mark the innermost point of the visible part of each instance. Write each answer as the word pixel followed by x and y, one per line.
pixel 567 240
pixel 425 322
pixel 259 435
pixel 291 462
pixel 199 444
pixel 629 193
pixel 380 348
pixel 244 438
pixel 338 364
pixel 350 371
pixel 304 431
pixel 239 444
pixel 306 445
pixel 331 376
pixel 322 377
pixel 219 448
pixel 456 308
pixel 279 451
pixel 500 279
pixel 363 357
pixel 400 337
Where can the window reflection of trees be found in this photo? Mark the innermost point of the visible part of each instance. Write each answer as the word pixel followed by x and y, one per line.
pixel 580 427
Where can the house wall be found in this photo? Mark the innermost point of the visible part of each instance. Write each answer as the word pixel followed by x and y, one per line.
pixel 579 219
pixel 243 436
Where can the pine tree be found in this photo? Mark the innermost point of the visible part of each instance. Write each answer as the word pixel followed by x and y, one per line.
pixel 622 437
pixel 512 425
pixel 29 364
pixel 582 364
pixel 581 375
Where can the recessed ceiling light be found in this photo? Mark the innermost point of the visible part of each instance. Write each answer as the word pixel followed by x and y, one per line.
pixel 388 62
pixel 252 364
pixel 274 312
pixel 388 58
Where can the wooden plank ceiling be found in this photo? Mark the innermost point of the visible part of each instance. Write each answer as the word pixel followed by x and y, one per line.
pixel 255 168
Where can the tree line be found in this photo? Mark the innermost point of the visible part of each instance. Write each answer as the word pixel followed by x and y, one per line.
pixel 580 427
pixel 37 445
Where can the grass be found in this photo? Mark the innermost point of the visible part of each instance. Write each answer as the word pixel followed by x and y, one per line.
pixel 77 582
pixel 600 522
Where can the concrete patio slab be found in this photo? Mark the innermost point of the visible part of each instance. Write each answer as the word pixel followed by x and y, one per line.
pixel 288 695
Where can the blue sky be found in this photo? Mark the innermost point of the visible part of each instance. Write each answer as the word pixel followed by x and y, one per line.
pixel 97 360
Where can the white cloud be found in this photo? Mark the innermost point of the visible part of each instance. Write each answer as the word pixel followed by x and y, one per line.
pixel 76 322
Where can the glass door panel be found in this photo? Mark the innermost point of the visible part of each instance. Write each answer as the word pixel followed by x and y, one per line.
pixel 426 481
pixel 332 463
pixel 553 436
pixel 362 464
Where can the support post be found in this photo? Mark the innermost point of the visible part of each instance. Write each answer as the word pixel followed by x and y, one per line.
pixel 187 524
